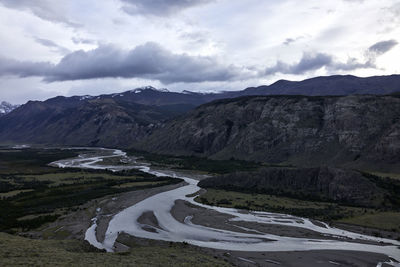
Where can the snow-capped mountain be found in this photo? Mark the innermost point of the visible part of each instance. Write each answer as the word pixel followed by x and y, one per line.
pixel 6 107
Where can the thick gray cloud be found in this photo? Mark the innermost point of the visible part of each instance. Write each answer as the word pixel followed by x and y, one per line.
pixel 239 32
pixel 315 61
pixel 149 61
pixel 44 9
pixel 23 68
pixel 382 47
pixel 55 47
pixel 352 64
pixel 159 7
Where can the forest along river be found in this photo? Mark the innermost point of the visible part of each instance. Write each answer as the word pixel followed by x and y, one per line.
pixel 169 229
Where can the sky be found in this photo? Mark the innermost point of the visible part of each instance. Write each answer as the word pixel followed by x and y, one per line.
pixel 80 47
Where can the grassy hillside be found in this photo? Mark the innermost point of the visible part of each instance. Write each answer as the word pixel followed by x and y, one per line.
pixel 19 251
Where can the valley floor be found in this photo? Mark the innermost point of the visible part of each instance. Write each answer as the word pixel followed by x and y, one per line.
pixel 364 220
pixel 60 243
pixel 131 249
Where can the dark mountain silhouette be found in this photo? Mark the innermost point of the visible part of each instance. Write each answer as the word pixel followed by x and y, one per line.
pixel 125 118
pixel 301 130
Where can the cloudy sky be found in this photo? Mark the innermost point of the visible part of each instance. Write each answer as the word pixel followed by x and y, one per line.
pixel 79 47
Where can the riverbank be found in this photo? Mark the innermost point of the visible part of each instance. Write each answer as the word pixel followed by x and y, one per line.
pixel 150 217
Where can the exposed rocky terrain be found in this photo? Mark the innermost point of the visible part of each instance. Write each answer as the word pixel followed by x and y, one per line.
pixel 309 131
pixel 296 129
pixel 324 183
pixel 92 122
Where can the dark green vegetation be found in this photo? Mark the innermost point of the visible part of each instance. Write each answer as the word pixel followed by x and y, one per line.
pixel 15 250
pixel 327 194
pixel 33 194
pixel 197 163
pixel 325 211
pixel 32 160
pixel 318 184
pixel 361 132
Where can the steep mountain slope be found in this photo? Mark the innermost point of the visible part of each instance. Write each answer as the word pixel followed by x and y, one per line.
pixel 6 107
pixel 323 183
pixel 123 118
pixel 75 121
pixel 297 129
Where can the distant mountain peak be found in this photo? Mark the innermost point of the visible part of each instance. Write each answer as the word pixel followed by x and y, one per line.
pixel 6 107
pixel 145 88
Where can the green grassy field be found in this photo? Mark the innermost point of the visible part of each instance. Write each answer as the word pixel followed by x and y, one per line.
pixel 324 211
pixel 77 176
pixel 389 221
pixel 19 251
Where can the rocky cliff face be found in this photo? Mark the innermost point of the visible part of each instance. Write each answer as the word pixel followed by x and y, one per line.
pixel 101 122
pixel 328 184
pixel 297 129
pixel 352 130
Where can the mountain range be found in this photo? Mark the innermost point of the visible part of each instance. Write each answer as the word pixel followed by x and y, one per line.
pixel 294 122
pixel 84 121
pixel 319 86
pixel 358 130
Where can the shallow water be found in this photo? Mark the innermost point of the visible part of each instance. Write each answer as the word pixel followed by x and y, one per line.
pixel 170 229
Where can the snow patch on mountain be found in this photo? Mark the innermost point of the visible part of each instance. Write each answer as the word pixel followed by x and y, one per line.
pixel 6 107
pixel 84 97
pixel 144 88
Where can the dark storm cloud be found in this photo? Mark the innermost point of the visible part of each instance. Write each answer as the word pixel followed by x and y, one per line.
pixel 44 9
pixel 315 61
pixel 55 47
pixel 159 7
pixel 382 47
pixel 352 64
pixel 149 61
